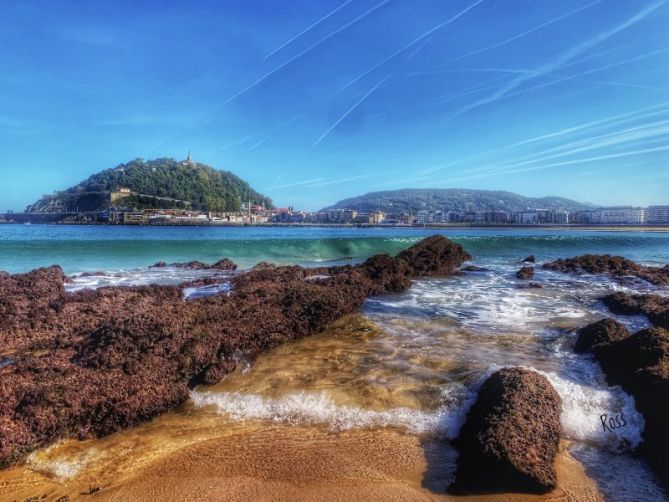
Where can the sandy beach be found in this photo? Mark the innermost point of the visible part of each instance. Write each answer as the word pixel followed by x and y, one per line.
pixel 277 463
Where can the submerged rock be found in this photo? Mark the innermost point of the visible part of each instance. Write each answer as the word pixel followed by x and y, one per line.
pixel 525 273
pixel 639 363
pixel 600 334
pixel 89 363
pixel 474 268
pixel 529 259
pixel 510 438
pixel 615 266
pixel 531 285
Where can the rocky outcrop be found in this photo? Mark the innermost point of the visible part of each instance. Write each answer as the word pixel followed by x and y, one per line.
pixel 90 363
pixel 510 438
pixel 639 363
pixel 525 273
pixel 655 307
pixel 599 334
pixel 436 256
pixel 530 259
pixel 615 266
pixel 224 264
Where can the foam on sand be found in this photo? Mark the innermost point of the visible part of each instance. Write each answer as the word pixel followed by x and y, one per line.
pixel 310 408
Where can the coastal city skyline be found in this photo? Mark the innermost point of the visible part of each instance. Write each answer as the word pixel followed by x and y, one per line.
pixel 312 103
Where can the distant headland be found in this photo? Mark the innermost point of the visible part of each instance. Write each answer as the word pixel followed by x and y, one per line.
pixel 165 191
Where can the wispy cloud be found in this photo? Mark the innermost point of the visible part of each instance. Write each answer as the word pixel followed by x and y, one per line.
pixel 411 44
pixel 311 26
pixel 563 58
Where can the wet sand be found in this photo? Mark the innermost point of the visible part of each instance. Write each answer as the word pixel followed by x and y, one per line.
pixel 281 462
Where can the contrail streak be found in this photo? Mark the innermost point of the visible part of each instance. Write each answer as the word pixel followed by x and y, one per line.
pixel 232 143
pixel 273 71
pixel 339 180
pixel 298 183
pixel 523 34
pixel 313 25
pixel 587 72
pixel 411 44
pixel 563 58
pixel 619 119
pixel 305 51
pixel 348 112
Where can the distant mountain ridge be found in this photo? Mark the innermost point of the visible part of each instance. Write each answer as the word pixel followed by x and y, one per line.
pixel 154 184
pixel 452 199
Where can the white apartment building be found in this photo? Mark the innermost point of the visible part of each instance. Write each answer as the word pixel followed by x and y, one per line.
pixel 657 215
pixel 623 215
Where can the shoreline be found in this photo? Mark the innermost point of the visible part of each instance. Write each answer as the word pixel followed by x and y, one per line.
pixel 450 226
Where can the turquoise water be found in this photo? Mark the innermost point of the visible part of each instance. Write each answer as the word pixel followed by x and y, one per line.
pixel 110 248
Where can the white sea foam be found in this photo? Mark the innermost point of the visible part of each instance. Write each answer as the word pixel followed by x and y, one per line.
pixel 319 408
pixel 583 406
pixel 139 277
pixel 61 467
pixel 203 291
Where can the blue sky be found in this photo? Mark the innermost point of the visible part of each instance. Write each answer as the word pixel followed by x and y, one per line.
pixel 312 102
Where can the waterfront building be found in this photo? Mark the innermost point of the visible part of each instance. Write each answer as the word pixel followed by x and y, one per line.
pixel 527 218
pixel 657 215
pixel 620 215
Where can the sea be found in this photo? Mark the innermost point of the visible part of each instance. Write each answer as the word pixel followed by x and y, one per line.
pixel 410 361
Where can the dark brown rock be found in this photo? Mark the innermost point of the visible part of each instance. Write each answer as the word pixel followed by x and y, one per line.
pixel 615 266
pixel 437 256
pixel 640 365
pixel 599 334
pixel 224 264
pixel 530 259
pixel 655 307
pixel 510 438
pixel 89 363
pixel 525 273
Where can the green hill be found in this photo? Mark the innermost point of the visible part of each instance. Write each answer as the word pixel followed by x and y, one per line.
pixel 154 184
pixel 451 199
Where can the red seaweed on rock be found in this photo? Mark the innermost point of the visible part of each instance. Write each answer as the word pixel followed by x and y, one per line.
pixel 89 363
pixel 599 334
pixel 615 266
pixel 525 273
pixel 655 307
pixel 510 438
